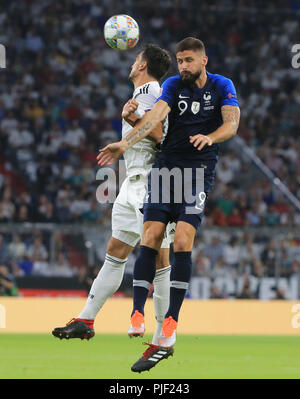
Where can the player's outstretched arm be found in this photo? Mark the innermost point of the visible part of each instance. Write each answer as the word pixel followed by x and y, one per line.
pixel 231 118
pixel 143 128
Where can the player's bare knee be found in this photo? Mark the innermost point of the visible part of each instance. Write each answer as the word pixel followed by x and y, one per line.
pixel 182 243
pixel 118 248
pixel 152 237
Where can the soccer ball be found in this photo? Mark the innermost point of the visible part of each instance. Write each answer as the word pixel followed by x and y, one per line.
pixel 121 32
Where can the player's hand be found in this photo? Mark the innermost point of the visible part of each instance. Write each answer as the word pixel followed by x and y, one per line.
pixel 110 153
pixel 200 140
pixel 129 108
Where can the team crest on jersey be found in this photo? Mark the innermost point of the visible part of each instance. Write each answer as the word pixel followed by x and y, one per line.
pixel 207 96
pixel 195 107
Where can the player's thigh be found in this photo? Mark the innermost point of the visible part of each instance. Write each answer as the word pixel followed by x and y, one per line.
pixel 153 234
pixel 163 258
pixel 184 237
pixel 118 248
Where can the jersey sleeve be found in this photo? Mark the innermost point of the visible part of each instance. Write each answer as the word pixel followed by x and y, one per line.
pixel 228 92
pixel 146 100
pixel 168 90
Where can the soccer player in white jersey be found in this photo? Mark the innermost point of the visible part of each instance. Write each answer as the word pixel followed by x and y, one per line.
pixel 127 219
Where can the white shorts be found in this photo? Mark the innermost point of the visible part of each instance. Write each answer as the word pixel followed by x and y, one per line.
pixel 127 219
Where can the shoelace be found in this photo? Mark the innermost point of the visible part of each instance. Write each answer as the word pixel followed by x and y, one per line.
pixel 152 348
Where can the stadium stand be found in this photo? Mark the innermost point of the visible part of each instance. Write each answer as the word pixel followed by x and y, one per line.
pixel 60 101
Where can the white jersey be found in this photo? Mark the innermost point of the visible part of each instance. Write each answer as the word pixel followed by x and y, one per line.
pixel 140 157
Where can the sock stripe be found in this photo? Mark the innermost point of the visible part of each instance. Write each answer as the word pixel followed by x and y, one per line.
pixel 159 272
pixel 113 259
pixel 179 284
pixel 142 283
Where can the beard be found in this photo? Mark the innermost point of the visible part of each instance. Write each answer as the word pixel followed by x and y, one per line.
pixel 189 78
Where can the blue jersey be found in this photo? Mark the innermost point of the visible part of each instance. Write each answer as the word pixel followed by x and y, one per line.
pixel 194 111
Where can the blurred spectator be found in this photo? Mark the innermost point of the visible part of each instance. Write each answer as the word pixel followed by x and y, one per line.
pixel 272 216
pixel 235 218
pixel 268 257
pixel 62 267
pixel 216 293
pixel 214 251
pixel 17 248
pixel 202 266
pixel 37 251
pixel 25 265
pixel 232 253
pixel 7 283
pixel 280 294
pixel 246 292
pixel 4 252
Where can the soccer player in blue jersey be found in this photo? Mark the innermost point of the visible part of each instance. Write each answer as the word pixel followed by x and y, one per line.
pixel 202 111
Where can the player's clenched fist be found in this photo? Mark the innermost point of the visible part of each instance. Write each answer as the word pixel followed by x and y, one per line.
pixel 129 108
pixel 110 153
pixel 200 140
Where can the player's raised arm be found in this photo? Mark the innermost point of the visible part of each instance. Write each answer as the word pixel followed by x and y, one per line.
pixel 142 129
pixel 231 119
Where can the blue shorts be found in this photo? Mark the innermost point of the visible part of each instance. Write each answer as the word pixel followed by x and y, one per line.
pixel 185 196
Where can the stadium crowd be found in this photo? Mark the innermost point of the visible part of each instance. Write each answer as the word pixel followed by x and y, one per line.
pixel 63 89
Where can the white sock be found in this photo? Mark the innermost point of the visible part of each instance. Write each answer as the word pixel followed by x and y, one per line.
pixel 104 286
pixel 161 298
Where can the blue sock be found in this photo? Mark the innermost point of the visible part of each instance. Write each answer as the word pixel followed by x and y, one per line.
pixel 180 276
pixel 143 276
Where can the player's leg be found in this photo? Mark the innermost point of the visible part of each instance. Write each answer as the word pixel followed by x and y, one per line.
pixel 179 280
pixel 161 285
pixel 109 277
pixel 145 265
pixel 161 281
pixel 105 284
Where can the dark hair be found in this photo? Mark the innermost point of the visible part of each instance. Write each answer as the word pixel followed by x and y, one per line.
pixel 190 43
pixel 158 61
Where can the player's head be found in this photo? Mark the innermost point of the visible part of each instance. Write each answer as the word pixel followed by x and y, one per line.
pixel 191 59
pixel 153 60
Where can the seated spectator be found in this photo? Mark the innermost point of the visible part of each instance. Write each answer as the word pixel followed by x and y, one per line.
pixel 252 215
pixel 214 251
pixel 216 293
pixel 25 265
pixel 62 267
pixel 75 136
pixel 17 248
pixel 227 202
pixel 23 215
pixel 258 269
pixel 268 258
pixel 202 266
pixel 232 253
pixel 37 251
pixel 272 217
pixel 219 217
pixel 235 218
pixel 280 294
pixel 224 173
pixel 92 215
pixel 8 208
pixel 246 292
